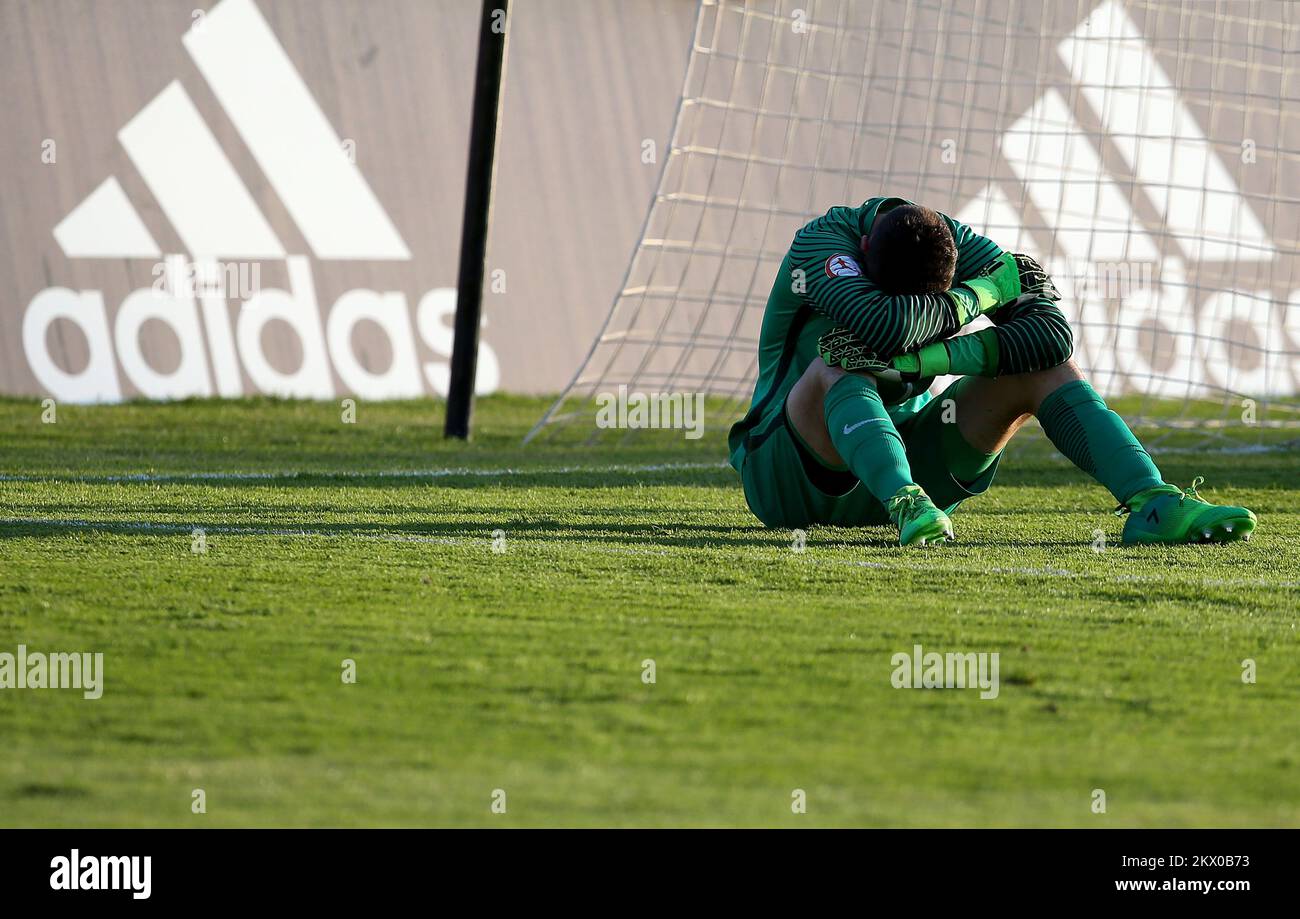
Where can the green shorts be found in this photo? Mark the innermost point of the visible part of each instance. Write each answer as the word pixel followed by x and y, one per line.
pixel 787 486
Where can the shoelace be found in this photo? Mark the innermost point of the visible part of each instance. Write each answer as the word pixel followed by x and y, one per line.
pixel 1188 492
pixel 899 502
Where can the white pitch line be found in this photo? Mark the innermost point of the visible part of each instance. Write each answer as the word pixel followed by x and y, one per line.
pixel 416 474
pixel 463 471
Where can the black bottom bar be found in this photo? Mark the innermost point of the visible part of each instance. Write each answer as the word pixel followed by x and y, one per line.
pixel 927 868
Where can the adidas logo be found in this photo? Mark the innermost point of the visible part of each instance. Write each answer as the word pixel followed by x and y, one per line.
pixel 217 220
pixel 1193 214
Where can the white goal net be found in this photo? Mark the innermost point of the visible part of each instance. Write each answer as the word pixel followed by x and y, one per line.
pixel 1146 151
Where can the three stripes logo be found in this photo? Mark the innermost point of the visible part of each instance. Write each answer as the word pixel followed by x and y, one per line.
pixel 1143 237
pixel 198 189
pixel 216 218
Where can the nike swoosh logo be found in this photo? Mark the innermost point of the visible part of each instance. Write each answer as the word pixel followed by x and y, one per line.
pixel 849 429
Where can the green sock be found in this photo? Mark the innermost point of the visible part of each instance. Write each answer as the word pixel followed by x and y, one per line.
pixel 1097 440
pixel 865 436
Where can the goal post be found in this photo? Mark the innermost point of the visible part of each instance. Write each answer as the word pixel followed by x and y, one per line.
pixel 1146 151
pixel 480 173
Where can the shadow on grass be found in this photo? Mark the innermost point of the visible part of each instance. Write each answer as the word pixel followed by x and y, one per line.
pixel 710 472
pixel 1035 465
pixel 480 532
pixel 683 535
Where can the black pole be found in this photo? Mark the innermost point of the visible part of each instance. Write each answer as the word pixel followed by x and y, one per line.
pixel 474 227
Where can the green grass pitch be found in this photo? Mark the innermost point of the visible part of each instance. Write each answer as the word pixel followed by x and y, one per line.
pixel 522 669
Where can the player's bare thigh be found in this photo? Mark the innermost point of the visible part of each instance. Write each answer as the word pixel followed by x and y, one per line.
pixel 989 412
pixel 805 407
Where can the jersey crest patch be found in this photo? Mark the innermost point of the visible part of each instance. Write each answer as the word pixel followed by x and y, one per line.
pixel 842 266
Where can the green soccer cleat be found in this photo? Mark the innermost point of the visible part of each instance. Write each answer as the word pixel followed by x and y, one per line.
pixel 1168 514
pixel 919 522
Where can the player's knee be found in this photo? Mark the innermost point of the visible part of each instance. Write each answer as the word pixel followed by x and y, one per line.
pixel 817 381
pixel 1042 383
pixel 1065 369
pixel 1026 391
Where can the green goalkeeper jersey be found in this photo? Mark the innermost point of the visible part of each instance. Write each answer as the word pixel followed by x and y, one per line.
pixel 821 286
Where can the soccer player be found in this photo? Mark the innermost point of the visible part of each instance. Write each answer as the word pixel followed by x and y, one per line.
pixel 865 312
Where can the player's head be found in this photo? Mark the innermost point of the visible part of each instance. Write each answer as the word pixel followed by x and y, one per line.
pixel 910 251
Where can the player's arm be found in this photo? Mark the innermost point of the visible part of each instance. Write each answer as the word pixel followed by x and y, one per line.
pixel 829 265
pixel 1031 334
pixel 974 252
pixel 1029 331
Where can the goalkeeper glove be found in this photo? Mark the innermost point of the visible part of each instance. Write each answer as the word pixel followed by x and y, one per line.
pixel 840 348
pixel 923 364
pixel 1011 276
pixel 965 355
